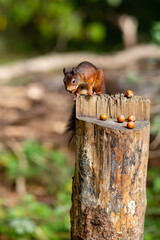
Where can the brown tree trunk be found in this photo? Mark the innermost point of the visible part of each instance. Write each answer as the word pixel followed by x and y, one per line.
pixel 109 186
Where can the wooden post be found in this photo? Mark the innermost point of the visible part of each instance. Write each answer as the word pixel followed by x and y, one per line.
pixel 109 185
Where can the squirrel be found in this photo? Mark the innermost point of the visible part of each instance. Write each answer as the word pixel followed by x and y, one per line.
pixel 84 79
pixel 86 75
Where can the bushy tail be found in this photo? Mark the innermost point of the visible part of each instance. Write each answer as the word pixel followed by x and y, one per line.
pixel 71 125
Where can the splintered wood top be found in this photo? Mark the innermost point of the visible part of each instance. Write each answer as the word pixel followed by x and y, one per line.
pixel 114 124
pixel 113 106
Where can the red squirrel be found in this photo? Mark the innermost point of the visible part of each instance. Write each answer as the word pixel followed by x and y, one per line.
pixel 84 79
pixel 84 76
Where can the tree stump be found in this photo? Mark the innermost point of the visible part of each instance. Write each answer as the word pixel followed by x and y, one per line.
pixel 109 184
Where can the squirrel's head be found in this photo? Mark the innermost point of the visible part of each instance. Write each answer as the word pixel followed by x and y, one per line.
pixel 71 79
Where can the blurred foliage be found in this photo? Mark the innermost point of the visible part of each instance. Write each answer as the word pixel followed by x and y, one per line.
pixel 155 127
pixel 156 32
pixel 96 32
pixel 59 25
pixel 152 221
pixel 31 20
pixel 31 219
pixel 39 161
pixel 114 3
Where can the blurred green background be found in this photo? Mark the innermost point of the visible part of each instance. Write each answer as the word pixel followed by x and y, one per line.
pixel 36 172
pixel 32 26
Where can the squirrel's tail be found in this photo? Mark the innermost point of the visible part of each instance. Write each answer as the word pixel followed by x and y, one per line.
pixel 71 125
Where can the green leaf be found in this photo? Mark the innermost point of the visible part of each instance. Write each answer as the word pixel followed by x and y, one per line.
pixel 114 3
pixel 58 158
pixel 40 210
pixel 33 148
pixel 156 185
pixel 96 31
pixel 155 32
pixel 46 28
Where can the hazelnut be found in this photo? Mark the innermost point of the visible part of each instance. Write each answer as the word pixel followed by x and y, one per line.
pixel 103 117
pixel 129 94
pixel 131 118
pixel 130 124
pixel 120 118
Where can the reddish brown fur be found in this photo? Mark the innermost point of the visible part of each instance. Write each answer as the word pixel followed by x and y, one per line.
pixel 85 74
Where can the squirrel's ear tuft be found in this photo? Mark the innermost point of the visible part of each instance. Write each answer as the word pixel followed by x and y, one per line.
pixel 74 71
pixel 64 71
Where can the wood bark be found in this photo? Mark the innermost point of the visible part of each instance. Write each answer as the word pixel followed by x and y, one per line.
pixel 109 185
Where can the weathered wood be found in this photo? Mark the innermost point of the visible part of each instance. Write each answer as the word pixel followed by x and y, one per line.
pixel 113 105
pixel 109 185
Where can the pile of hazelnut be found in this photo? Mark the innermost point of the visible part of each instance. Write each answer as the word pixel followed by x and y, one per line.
pixel 131 119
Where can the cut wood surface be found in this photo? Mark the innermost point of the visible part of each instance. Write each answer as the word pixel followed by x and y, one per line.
pixel 109 184
pixel 114 124
pixel 57 61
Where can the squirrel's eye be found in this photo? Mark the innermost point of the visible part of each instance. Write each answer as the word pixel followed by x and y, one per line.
pixel 73 81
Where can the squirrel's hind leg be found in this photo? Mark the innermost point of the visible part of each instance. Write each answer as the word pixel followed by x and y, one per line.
pixel 99 84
